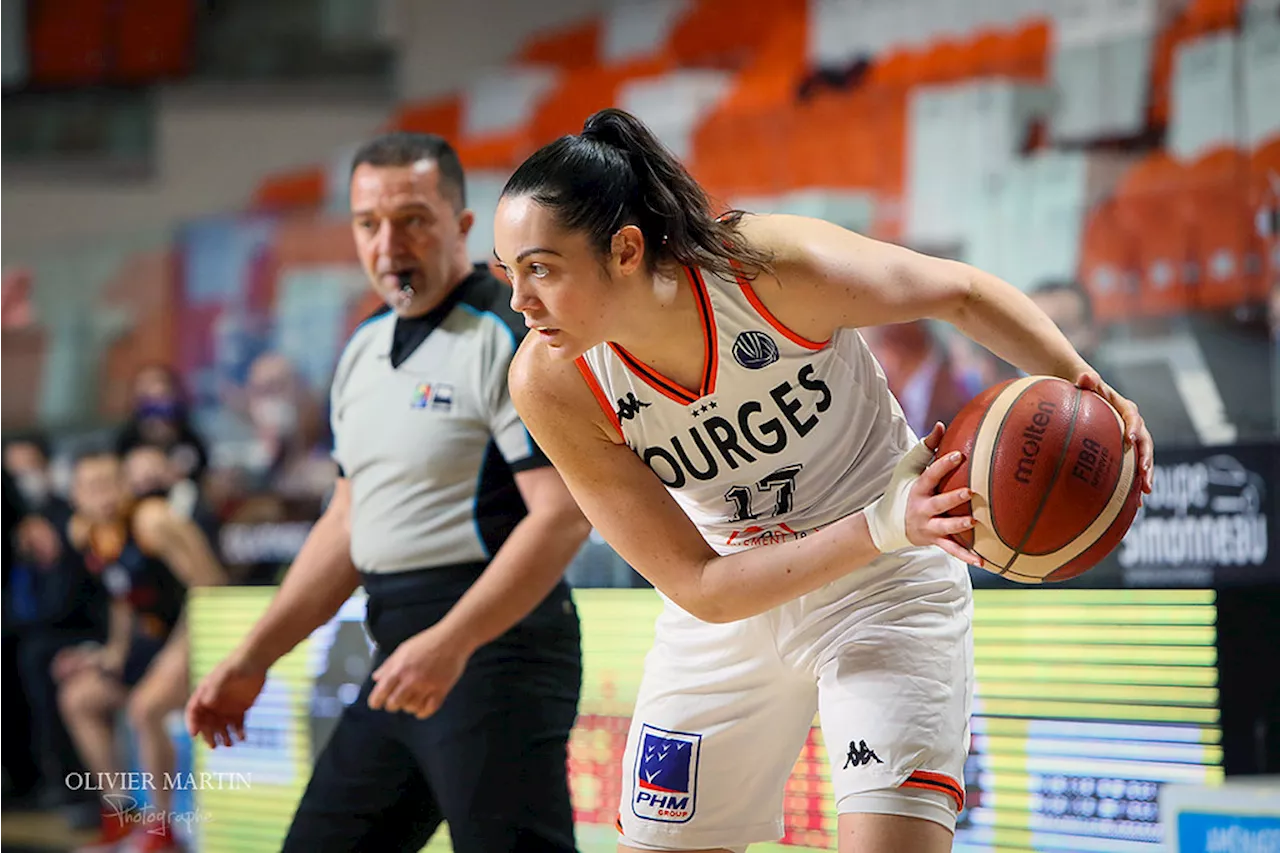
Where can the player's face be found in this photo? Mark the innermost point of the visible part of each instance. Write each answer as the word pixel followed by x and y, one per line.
pixel 557 279
pixel 404 224
pixel 98 489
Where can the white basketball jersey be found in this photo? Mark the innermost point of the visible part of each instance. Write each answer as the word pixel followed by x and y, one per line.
pixel 783 437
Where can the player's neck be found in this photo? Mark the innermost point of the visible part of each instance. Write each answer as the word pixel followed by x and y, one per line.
pixel 661 327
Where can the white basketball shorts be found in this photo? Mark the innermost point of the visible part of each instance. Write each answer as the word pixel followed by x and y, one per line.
pixel 884 657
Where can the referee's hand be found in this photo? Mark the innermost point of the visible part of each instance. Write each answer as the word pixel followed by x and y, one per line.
pixel 419 674
pixel 217 707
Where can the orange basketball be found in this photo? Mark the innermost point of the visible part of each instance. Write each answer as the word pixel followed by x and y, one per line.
pixel 1054 486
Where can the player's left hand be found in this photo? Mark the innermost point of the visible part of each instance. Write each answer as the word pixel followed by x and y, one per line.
pixel 1135 428
pixel 419 674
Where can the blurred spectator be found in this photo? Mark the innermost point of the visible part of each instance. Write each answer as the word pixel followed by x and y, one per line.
pixel 920 373
pixel 1069 307
pixel 287 455
pixel 21 769
pixel 27 459
pixel 161 419
pixel 50 603
pixel 148 472
pixel 147 556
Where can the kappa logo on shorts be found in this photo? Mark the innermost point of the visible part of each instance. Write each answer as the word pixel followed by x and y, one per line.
pixel 860 754
pixel 666 775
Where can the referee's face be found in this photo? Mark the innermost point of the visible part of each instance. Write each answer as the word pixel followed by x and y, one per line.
pixel 406 229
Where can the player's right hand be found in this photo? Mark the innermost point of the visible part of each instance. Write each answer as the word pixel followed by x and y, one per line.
pixel 926 520
pixel 217 707
pixel 912 513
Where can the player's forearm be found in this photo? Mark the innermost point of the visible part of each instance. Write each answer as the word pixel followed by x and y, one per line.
pixel 321 578
pixel 1007 322
pixel 525 569
pixel 747 584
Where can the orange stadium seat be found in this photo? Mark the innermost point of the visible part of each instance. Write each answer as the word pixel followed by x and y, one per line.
pixel 495 151
pixel 1150 197
pixel 993 52
pixel 899 68
pixel 1030 49
pixel 584 91
pixel 442 116
pixel 1108 264
pixel 730 33
pixel 767 84
pixel 68 42
pixel 297 189
pixel 1215 201
pixel 570 48
pixel 1208 16
pixel 154 40
pixel 1198 18
pixel 946 61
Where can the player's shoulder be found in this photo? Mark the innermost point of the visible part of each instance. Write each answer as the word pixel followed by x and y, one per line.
pixel 779 234
pixel 482 294
pixel 543 381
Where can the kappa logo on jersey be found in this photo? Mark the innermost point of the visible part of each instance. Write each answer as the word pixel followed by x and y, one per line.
pixel 629 407
pixel 732 440
pixel 755 350
pixel 666 780
pixel 437 396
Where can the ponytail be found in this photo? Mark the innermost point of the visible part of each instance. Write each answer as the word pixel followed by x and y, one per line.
pixel 616 173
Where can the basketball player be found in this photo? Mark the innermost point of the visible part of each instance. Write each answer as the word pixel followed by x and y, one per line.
pixel 146 556
pixel 701 386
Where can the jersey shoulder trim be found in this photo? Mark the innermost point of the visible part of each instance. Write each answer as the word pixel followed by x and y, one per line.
pixel 598 392
pixel 744 284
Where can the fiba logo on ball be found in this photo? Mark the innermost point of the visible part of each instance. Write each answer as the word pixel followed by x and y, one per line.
pixel 755 350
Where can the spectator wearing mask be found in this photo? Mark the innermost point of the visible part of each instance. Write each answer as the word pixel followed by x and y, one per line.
pixel 161 419
pixel 288 455
pixel 28 460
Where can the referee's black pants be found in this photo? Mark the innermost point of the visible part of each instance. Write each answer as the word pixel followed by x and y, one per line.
pixel 490 762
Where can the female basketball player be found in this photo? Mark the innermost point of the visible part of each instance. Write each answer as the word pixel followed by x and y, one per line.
pixel 702 388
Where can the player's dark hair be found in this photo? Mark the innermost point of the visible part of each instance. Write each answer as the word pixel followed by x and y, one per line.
pixel 402 148
pixel 617 173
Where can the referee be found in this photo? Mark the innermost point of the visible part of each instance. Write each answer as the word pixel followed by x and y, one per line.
pixel 458 529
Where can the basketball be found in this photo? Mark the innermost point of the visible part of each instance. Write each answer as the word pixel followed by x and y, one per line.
pixel 1054 486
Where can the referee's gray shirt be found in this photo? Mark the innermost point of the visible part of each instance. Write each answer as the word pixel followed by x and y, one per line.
pixel 429 441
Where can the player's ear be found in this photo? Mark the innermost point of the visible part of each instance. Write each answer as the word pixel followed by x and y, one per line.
pixel 627 249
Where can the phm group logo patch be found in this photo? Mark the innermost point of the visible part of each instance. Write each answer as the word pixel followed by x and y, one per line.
pixel 666 781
